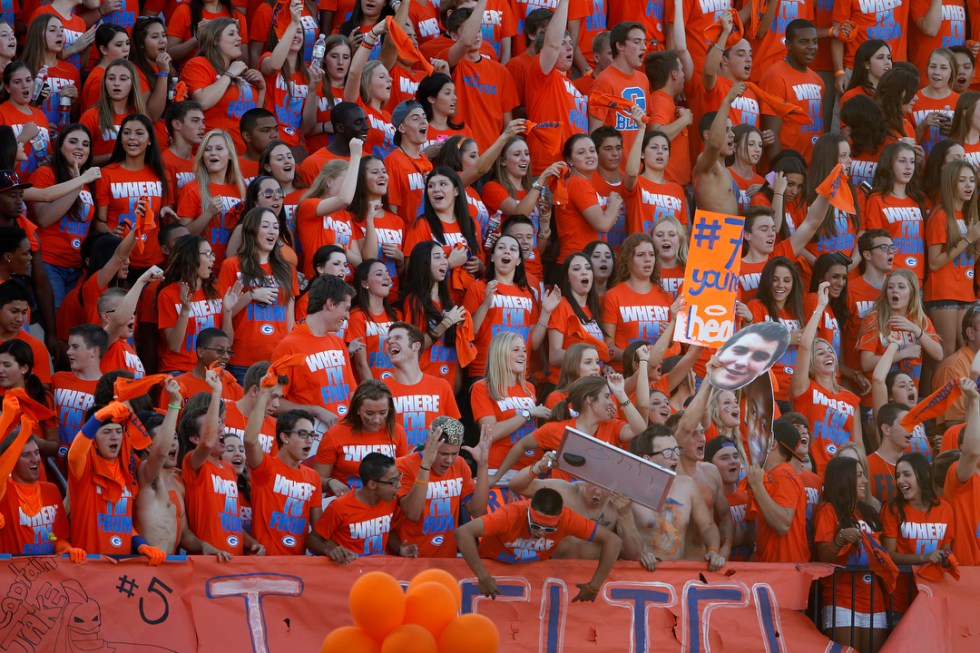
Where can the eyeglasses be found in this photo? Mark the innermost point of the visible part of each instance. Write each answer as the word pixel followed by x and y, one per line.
pixel 395 482
pixel 220 351
pixel 885 249
pixel 303 435
pixel 269 193
pixel 531 526
pixel 669 453
pixel 207 254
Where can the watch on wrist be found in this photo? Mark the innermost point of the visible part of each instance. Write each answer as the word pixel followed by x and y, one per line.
pixel 526 414
pixel 537 185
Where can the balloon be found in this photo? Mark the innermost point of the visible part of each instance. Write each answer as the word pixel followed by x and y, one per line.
pixel 472 633
pixel 410 639
pixel 350 639
pixel 431 606
pixel 439 576
pixel 377 603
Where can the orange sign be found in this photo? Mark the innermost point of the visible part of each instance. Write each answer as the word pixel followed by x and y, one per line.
pixel 711 280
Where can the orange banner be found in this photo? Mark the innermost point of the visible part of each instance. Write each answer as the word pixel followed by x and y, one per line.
pixel 711 280
pixel 289 604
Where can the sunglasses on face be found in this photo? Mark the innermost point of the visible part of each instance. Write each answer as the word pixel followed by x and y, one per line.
pixel 547 530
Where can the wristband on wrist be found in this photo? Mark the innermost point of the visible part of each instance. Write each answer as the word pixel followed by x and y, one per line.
pixel 714 548
pixel 173 406
pixel 419 481
pixel 839 73
pixel 162 74
pixel 423 468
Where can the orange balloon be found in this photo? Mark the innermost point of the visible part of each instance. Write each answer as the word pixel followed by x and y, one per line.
pixel 472 633
pixel 377 603
pixel 410 639
pixel 431 606
pixel 439 576
pixel 350 639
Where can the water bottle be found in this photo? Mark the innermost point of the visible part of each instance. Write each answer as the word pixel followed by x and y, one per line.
pixel 40 148
pixel 64 112
pixel 40 81
pixel 172 89
pixel 319 50
pixel 493 230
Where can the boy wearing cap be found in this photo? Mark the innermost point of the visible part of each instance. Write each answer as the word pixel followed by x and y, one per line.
pixel 436 482
pixel 407 165
pixel 779 501
pixel 723 453
pixel 531 530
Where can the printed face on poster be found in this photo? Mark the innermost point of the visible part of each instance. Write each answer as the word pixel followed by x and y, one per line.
pixel 748 354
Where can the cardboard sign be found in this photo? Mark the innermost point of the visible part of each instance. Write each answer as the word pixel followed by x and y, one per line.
pixel 748 354
pixel 711 280
pixel 616 470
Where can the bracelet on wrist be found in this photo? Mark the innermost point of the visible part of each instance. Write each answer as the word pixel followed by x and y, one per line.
pixel 163 74
pixel 419 481
pixel 423 468
pixel 174 406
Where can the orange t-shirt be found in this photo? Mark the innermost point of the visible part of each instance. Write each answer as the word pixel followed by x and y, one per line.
pixel 373 332
pixel 512 310
pixel 345 449
pixel 636 316
pixel 618 233
pixel 356 526
pixel 438 360
pixel 417 405
pixel 697 16
pixel 103 141
pixel 553 98
pixel 62 239
pixel 406 186
pixel 744 183
pixel 204 313
pixel 493 196
pixel 60 75
pixel 965 501
pixel 805 90
pixel 433 532
pixel 772 47
pixel 92 87
pixel 120 189
pixel 920 533
pixel 258 327
pixel 882 478
pixel 564 321
pixel 72 397
pixel 517 399
pixel 286 98
pixel 924 105
pixel 235 423
pixel 381 132
pixel 485 91
pixel 33 534
pixel 16 119
pixel 506 537
pixel 42 359
pixel 872 340
pixel 750 273
pixel 574 230
pixel 902 219
pixel 311 165
pixel 326 378
pixel 953 281
pixel 887 21
pixel 211 499
pixel 179 171
pixel 785 487
pixel 672 278
pixel 843 241
pixel 952 30
pixel 97 524
pixel 856 597
pixel 861 296
pixel 282 499
pixel 239 97
pixel 783 368
pixel 315 231
pixel 404 85
pixel 191 385
pixel 390 230
pixel 831 418
pixel 633 87
pixel 121 356
pixel 663 111
pixel 190 207
pixel 649 201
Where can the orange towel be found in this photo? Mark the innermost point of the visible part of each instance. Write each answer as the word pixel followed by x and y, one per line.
pixel 559 190
pixel 836 189
pixel 575 332
pixel 713 32
pixel 782 110
pixel 599 101
pixel 406 49
pixel 881 563
pixel 181 92
pixel 759 8
pixel 279 366
pixel 549 133
pixel 935 571
pixel 133 430
pixel 145 221
pixel 126 389
pixel 465 350
pixel 934 404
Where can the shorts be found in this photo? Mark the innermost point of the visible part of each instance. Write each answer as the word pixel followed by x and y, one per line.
pixel 946 304
pixel 837 617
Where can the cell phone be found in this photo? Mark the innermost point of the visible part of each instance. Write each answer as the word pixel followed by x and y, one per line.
pixel 771 178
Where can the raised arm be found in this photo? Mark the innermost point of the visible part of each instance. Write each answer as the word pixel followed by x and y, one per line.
pixel 413 502
pixel 467 34
pixel 800 382
pixel 280 53
pixel 709 75
pixel 253 448
pixel 717 135
pixel 678 33
pixel 209 431
pixel 554 34
pixel 151 469
pixel 126 308
pixel 352 89
pixel 970 449
pixel 808 228
pixel 634 160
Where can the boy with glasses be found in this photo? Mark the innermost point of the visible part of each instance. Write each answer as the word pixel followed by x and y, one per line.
pixel 286 494
pixel 213 352
pixel 532 530
pixel 359 523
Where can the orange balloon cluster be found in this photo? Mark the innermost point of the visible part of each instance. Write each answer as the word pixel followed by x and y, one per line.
pixel 420 620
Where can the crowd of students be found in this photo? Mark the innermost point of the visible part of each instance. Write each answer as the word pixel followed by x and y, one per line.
pixel 334 224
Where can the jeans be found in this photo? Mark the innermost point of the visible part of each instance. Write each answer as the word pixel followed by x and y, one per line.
pixel 62 281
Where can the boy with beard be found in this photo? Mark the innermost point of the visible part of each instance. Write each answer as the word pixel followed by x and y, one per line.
pixel 286 495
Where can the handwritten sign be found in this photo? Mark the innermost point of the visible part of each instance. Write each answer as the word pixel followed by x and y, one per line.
pixel 607 466
pixel 711 280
